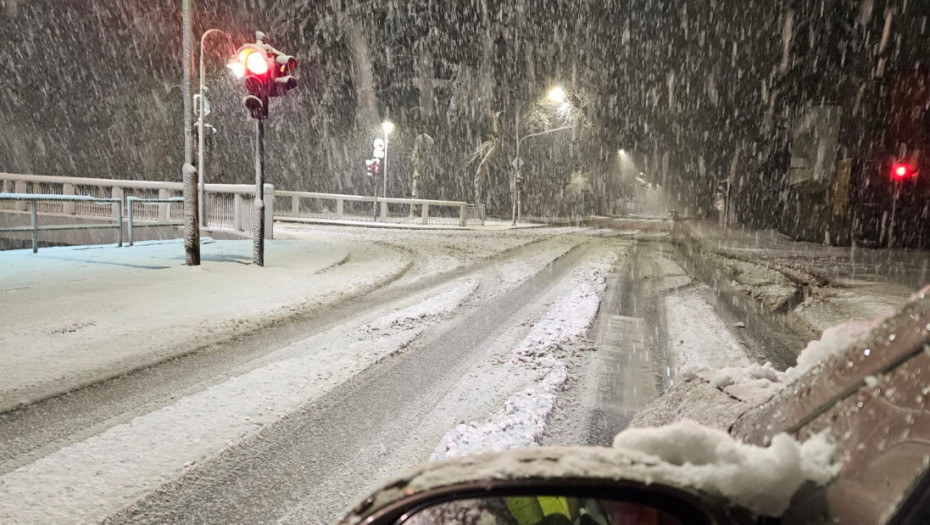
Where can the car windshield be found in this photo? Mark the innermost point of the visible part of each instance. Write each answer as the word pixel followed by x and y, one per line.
pixel 258 257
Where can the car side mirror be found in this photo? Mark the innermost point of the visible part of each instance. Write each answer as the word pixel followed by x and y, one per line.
pixel 526 507
pixel 541 486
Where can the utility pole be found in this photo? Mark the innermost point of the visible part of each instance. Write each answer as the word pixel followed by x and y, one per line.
pixel 515 190
pixel 191 227
pixel 258 226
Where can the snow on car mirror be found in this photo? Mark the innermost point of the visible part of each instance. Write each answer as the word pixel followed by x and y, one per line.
pixel 583 485
pixel 871 400
pixel 893 341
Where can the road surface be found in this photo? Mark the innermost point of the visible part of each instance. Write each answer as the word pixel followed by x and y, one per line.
pixel 370 385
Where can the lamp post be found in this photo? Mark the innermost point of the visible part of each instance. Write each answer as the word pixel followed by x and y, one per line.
pixel 557 95
pixel 200 137
pixel 387 126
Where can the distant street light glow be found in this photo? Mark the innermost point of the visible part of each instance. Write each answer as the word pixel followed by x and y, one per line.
pixel 557 94
pixel 387 126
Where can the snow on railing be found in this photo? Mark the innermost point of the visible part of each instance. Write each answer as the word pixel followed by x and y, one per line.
pixel 32 200
pixel 333 206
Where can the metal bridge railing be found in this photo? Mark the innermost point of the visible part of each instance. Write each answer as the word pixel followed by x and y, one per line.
pixel 34 198
pixel 161 202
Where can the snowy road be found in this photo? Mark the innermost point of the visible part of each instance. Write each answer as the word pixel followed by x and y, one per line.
pixel 472 343
pixel 313 464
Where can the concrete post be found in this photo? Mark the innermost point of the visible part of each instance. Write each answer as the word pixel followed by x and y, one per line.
pixel 424 213
pixel 34 222
pixel 269 211
pixel 237 212
pixel 384 214
pixel 463 215
pixel 68 206
pixel 340 208
pixel 116 193
pixel 163 212
pixel 295 205
pixel 21 187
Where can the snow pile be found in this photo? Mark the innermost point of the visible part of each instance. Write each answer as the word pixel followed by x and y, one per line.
pixel 520 425
pixel 697 336
pixel 568 320
pixel 835 340
pixel 717 395
pixel 543 351
pixel 761 479
pixel 437 305
pixel 752 384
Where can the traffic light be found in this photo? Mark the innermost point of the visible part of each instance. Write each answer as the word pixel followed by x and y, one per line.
pixel 373 166
pixel 901 171
pixel 284 80
pixel 267 72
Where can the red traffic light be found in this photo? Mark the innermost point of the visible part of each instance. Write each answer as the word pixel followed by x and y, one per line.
pixel 373 166
pixel 267 73
pixel 901 171
pixel 256 63
pixel 251 60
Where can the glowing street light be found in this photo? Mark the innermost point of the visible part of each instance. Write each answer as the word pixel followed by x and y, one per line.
pixel 557 95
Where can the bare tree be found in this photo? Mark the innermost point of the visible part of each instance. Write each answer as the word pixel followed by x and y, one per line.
pixel 421 157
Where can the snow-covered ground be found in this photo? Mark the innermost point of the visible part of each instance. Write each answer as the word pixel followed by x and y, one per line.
pixel 95 477
pixel 542 356
pixel 86 314
pixel 697 337
pixel 91 479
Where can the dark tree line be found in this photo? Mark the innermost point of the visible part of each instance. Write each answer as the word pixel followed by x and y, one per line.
pixel 698 91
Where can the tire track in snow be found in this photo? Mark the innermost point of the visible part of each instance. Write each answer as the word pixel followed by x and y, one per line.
pixel 310 465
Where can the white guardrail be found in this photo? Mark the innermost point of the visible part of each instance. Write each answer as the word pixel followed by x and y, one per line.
pixel 226 206
pixel 338 207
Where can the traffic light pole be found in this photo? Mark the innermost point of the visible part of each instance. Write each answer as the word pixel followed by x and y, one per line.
pixel 267 73
pixel 374 211
pixel 258 222
pixel 894 209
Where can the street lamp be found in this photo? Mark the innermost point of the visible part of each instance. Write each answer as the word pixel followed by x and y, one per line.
pixel 559 96
pixel 387 126
pixel 200 137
